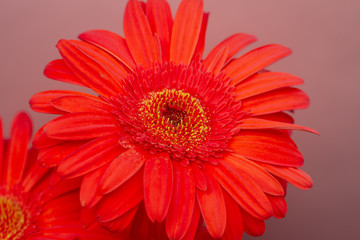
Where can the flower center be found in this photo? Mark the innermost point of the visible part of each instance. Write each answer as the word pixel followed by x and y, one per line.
pixel 176 118
pixel 13 219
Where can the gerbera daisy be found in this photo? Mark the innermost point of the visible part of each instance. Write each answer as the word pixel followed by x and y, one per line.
pixel 180 138
pixel 29 207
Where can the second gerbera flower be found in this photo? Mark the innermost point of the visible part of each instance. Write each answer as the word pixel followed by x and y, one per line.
pixel 185 134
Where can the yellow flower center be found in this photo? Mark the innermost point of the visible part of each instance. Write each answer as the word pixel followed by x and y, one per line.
pixel 13 219
pixel 176 118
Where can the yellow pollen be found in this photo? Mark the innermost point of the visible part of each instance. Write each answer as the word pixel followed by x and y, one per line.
pixel 175 118
pixel 13 219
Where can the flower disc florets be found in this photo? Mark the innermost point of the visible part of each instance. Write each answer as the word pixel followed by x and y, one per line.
pixel 178 109
pixel 175 118
pixel 14 219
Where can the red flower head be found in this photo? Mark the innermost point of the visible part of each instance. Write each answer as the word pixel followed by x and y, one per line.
pixel 29 208
pixel 180 138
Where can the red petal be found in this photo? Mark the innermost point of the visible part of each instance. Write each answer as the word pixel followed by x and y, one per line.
pixel 215 64
pixel 58 70
pixel 79 126
pixel 138 35
pixel 161 21
pixel 120 223
pixel 183 42
pixel 112 44
pixel 21 131
pixel 266 149
pixel 257 123
pixel 234 44
pixel 258 174
pixel 265 82
pixel 89 195
pixel 253 226
pixel 81 104
pixel 279 117
pixel 278 205
pixel 212 206
pixel 157 185
pixel 52 156
pixel 255 61
pixel 95 68
pixel 40 140
pixel 33 176
pixel 245 191
pixel 199 177
pixel 199 50
pixel 276 101
pixel 295 176
pixel 182 202
pixel 121 169
pixel 40 102
pixel 194 224
pixel 120 201
pixel 141 225
pixel 90 156
pixel 234 222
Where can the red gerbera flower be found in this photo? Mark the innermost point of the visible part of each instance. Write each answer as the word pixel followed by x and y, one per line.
pixel 29 207
pixel 179 137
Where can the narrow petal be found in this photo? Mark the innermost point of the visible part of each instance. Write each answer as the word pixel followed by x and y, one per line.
pixel 234 43
pixel 21 131
pixel 278 116
pixel 245 191
pixel 253 226
pixel 255 61
pixel 93 67
pixel 183 42
pixel 112 43
pixel 276 101
pixel 234 222
pixel 89 195
pixel 194 224
pixel 84 103
pixel 278 205
pixel 295 176
pixel 120 201
pixel 161 22
pixel 200 47
pixel 90 156
pixel 258 174
pixel 215 64
pixel 138 35
pixel 58 70
pixel 122 222
pixel 199 177
pixel 182 202
pixel 121 169
pixel 157 185
pixel 142 225
pixel 79 126
pixel 212 206
pixel 41 140
pixel 257 123
pixel 40 102
pixel 266 149
pixel 33 176
pixel 52 156
pixel 265 82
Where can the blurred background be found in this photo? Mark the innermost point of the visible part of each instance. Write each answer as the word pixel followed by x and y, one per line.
pixel 324 36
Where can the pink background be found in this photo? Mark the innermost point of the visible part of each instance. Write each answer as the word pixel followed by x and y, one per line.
pixel 324 36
